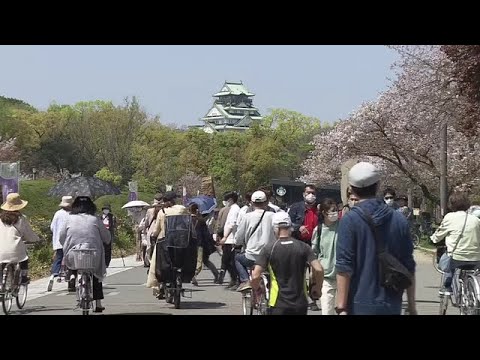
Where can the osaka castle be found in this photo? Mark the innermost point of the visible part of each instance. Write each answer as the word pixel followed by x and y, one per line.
pixel 232 109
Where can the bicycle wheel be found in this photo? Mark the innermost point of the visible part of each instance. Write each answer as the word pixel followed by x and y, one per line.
pixel 85 299
pixel 261 306
pixel 7 297
pixel 463 301
pixel 247 303
pixel 443 305
pixel 178 291
pixel 21 298
pixel 472 307
pixel 169 294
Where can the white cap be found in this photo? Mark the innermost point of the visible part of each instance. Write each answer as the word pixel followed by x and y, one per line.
pixel 363 174
pixel 281 219
pixel 259 197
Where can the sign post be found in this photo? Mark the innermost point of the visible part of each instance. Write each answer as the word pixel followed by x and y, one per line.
pixel 346 166
pixel 133 191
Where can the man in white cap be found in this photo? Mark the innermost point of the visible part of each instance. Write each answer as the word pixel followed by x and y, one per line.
pixel 57 223
pixel 287 259
pixel 253 233
pixel 360 290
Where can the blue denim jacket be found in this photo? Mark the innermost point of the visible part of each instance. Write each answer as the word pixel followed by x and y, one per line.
pixel 356 256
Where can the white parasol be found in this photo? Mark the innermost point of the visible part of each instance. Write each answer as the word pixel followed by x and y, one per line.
pixel 135 203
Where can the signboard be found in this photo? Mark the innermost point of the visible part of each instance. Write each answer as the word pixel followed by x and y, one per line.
pixel 9 178
pixel 281 191
pixel 132 191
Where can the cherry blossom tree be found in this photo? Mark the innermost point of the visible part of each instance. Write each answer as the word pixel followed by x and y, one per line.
pixel 466 71
pixel 400 131
pixel 9 150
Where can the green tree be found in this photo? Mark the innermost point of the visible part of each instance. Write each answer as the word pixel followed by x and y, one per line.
pixel 106 175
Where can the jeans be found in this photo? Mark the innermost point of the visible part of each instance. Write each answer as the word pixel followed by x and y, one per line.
pixel 454 264
pixel 242 264
pixel 57 262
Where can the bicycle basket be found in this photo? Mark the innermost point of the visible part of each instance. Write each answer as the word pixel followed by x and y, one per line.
pixel 83 259
pixel 178 230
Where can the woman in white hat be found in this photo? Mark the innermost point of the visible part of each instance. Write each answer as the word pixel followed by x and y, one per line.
pixel 15 231
pixel 58 219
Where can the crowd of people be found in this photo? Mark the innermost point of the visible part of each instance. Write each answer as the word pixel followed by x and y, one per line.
pixel 334 248
pixel 333 244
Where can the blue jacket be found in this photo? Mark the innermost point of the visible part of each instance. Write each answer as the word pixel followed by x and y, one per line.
pixel 356 255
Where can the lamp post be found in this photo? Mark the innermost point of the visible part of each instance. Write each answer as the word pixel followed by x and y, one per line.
pixel 443 170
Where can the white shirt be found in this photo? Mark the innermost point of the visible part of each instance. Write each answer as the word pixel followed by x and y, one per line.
pixel 231 223
pixel 255 241
pixel 58 220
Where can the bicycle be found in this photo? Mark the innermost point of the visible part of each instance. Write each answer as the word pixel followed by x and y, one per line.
pixel 12 287
pixel 84 264
pixel 173 290
pixel 465 290
pixel 256 301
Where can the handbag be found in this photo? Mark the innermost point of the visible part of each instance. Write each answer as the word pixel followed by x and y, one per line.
pixel 446 259
pixel 394 276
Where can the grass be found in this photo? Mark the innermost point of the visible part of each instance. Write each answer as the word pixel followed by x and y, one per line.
pixel 40 211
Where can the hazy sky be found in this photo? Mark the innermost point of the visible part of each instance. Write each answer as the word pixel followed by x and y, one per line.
pixel 177 82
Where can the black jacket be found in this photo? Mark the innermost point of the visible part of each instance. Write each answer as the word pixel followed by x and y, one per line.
pixel 297 215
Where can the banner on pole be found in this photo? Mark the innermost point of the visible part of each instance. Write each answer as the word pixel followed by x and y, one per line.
pixel 9 178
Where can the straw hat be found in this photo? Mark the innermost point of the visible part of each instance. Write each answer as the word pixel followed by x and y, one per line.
pixel 66 201
pixel 14 203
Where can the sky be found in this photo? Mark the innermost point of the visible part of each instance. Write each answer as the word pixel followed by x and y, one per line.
pixel 177 82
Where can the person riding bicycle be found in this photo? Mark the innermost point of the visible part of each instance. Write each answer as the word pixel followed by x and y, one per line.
pixel 461 232
pixel 159 263
pixel 253 233
pixel 83 230
pixel 287 259
pixel 15 231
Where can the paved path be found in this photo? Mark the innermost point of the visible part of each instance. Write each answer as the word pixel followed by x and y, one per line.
pixel 125 293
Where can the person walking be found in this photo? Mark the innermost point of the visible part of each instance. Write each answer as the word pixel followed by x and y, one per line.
pixel 58 220
pixel 368 225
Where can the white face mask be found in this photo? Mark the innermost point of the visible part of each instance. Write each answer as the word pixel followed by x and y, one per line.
pixel 310 198
pixel 332 216
pixel 389 201
pixel 106 211
pixel 225 203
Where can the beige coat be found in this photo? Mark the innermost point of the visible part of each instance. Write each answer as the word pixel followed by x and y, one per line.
pixel 159 231
pixel 12 241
